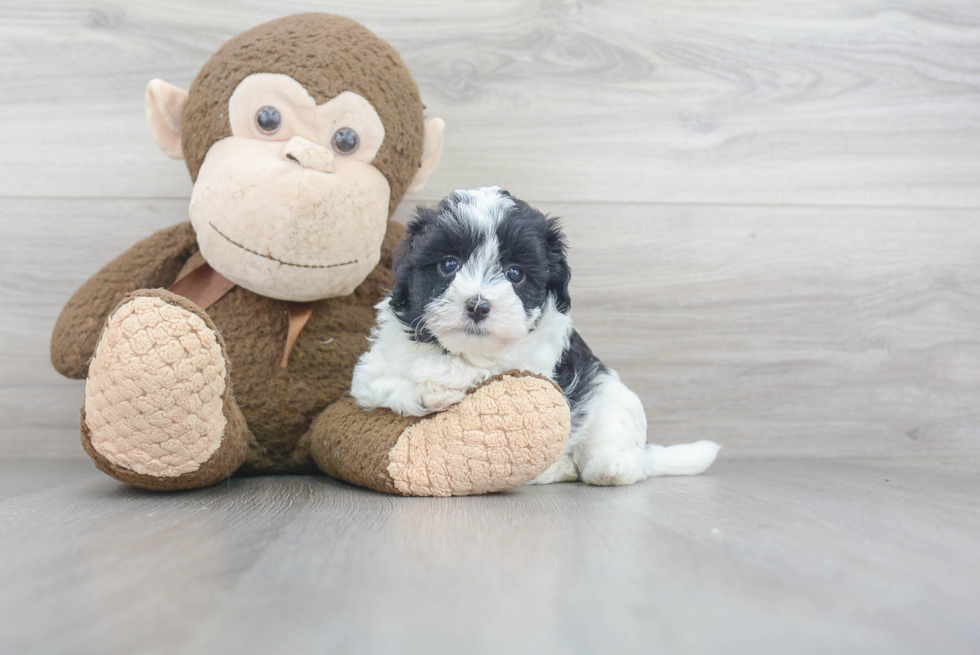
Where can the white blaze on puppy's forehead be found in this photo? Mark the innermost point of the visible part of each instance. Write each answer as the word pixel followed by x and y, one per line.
pixel 483 266
pixel 484 208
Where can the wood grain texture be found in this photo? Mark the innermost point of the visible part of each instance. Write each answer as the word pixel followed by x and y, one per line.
pixel 757 556
pixel 774 214
pixel 788 331
pixel 834 103
pixel 773 330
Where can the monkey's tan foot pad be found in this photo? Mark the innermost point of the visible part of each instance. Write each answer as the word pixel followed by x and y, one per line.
pixel 502 435
pixel 157 398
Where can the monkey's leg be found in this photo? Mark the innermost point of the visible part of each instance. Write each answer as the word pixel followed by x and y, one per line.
pixel 501 436
pixel 159 411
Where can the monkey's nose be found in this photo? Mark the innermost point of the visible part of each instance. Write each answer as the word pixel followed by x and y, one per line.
pixel 477 308
pixel 308 154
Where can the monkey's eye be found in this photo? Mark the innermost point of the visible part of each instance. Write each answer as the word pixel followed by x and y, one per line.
pixel 268 119
pixel 449 265
pixel 515 274
pixel 345 141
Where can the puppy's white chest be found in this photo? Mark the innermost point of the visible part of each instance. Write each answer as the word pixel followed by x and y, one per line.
pixel 536 356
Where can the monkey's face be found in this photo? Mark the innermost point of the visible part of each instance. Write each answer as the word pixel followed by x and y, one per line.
pixel 289 206
pixel 284 133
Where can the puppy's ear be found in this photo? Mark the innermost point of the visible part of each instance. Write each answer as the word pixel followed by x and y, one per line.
pixel 402 262
pixel 559 273
pixel 402 269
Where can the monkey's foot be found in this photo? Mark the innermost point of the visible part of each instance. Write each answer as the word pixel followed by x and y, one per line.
pixel 502 435
pixel 159 412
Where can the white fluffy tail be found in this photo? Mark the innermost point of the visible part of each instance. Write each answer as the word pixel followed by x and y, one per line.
pixel 681 459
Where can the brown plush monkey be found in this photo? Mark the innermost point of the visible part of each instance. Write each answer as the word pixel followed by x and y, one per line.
pixel 225 345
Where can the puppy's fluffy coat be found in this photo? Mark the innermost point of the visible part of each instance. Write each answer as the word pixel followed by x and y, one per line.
pixel 481 287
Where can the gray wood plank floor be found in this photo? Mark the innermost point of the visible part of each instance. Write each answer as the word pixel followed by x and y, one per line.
pixel 774 214
pixel 758 556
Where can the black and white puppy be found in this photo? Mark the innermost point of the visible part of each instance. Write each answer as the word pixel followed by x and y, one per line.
pixel 481 287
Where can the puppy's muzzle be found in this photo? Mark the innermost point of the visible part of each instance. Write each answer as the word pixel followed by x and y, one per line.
pixel 477 308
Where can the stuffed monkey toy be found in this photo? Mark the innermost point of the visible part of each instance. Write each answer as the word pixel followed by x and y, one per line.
pixel 225 345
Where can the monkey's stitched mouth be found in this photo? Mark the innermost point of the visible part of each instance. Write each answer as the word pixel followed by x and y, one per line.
pixel 279 261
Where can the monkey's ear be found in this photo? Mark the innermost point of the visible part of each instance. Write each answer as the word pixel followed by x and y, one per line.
pixel 165 105
pixel 431 152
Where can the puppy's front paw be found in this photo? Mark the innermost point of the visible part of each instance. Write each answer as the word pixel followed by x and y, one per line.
pixel 435 397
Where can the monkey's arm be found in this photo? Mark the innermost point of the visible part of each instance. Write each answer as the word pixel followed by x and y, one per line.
pixel 153 262
pixel 502 435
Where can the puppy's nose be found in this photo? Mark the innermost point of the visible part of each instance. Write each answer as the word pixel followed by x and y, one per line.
pixel 308 154
pixel 477 308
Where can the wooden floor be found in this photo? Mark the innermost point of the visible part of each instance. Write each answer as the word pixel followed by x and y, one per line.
pixel 761 556
pixel 774 216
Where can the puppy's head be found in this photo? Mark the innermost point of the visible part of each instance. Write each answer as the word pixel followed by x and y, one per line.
pixel 477 272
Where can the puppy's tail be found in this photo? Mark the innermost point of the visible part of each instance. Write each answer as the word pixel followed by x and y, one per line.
pixel 681 459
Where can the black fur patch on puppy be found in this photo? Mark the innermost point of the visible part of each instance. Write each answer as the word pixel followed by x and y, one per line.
pixel 577 371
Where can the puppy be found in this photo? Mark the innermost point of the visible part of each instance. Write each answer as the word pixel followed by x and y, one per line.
pixel 481 287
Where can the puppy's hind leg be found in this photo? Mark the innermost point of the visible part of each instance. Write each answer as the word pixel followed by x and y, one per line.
pixel 611 449
pixel 614 451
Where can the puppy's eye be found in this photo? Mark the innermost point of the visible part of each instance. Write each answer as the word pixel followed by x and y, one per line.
pixel 449 265
pixel 345 141
pixel 268 119
pixel 515 274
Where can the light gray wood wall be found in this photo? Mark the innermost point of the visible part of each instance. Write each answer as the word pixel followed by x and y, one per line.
pixel 773 206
